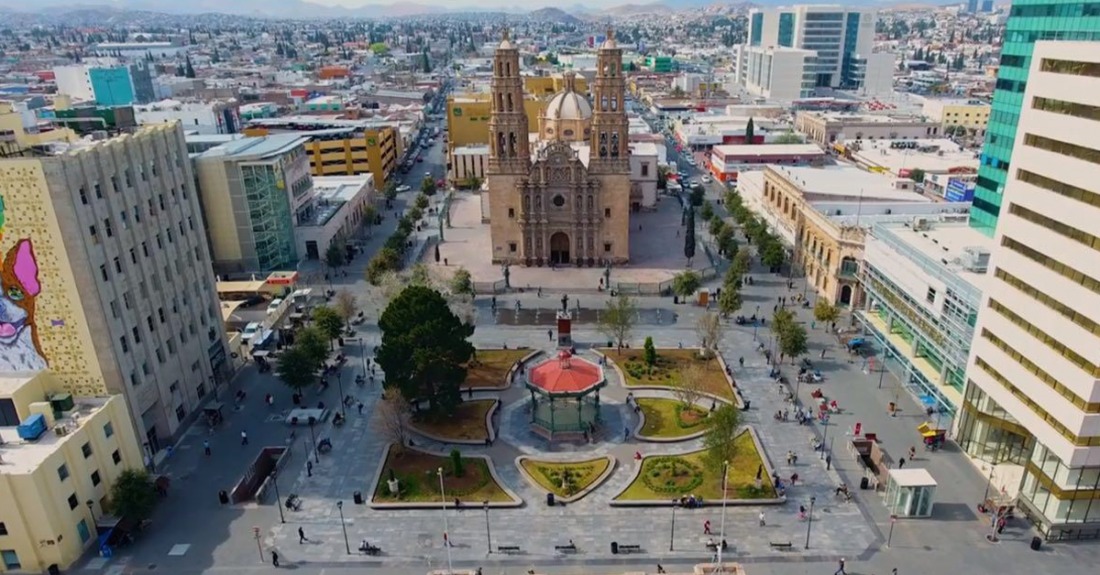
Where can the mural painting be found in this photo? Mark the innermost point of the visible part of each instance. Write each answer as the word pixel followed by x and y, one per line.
pixel 20 349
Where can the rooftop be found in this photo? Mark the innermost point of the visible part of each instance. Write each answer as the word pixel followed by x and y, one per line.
pixel 846 182
pixel 257 148
pixel 769 150
pixel 332 193
pixel 565 375
pixel 943 243
pixel 23 457
pixel 934 156
pixel 854 118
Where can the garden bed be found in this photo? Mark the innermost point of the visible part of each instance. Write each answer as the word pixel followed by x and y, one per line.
pixel 666 371
pixel 492 368
pixel 670 419
pixel 469 424
pixel 418 482
pixel 662 478
pixel 583 476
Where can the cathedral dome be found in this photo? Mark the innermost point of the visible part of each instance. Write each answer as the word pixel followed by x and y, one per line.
pixel 568 104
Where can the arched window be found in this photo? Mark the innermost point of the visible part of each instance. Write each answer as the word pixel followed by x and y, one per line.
pixel 603 103
pixel 509 101
pixel 500 102
pixel 614 104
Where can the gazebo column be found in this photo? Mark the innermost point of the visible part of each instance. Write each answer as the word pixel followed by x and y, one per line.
pixel 580 412
pixel 598 418
pixel 534 405
pixel 552 427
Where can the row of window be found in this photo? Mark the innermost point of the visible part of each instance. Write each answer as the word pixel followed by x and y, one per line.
pixel 1052 264
pixel 1070 314
pixel 1061 188
pixel 1038 409
pixel 1072 67
pixel 1057 10
pixel 1066 108
pixel 1064 148
pixel 1055 345
pixel 1055 226
pixel 1041 374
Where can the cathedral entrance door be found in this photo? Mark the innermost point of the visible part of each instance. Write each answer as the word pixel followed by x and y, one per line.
pixel 559 248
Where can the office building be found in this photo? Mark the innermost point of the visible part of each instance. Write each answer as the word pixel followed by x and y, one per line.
pixel 987 6
pixel 106 246
pixel 250 190
pixel 1028 21
pixel 1032 403
pixel 841 37
pixel 107 82
pixel 826 127
pixel 334 213
pixel 340 147
pixel 973 115
pixel 55 487
pixel 972 6
pixel 775 73
pixel 214 117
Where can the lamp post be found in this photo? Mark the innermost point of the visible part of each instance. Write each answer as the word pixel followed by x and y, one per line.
pixel 488 535
pixel 443 508
pixel 344 526
pixel 722 524
pixel 824 434
pixel 672 531
pixel 810 521
pixel 278 498
pixel 340 386
pixel 313 438
pixel 988 484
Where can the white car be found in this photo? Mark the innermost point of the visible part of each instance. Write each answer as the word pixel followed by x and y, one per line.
pixel 707 180
pixel 403 188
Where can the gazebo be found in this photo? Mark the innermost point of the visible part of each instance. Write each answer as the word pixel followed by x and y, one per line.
pixel 565 396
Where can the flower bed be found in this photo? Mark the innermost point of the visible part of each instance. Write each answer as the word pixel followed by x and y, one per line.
pixel 666 371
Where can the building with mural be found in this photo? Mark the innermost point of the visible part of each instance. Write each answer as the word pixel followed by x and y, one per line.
pixel 106 276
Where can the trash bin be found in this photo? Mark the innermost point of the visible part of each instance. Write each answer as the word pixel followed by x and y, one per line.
pixel 864 483
pixel 223 497
pixel 614 547
pixel 549 499
pixel 53 569
pixel 1036 543
pixel 358 497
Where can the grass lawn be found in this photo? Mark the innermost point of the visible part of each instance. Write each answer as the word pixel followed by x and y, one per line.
pixel 581 474
pixel 668 418
pixel 467 423
pixel 491 367
pixel 666 373
pixel 416 475
pixel 671 476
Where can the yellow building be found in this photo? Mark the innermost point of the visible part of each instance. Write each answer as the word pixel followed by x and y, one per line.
pixel 340 147
pixel 970 114
pixel 18 130
pixel 544 87
pixel 54 488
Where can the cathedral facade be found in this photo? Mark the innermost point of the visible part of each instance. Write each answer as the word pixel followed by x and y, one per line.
pixel 563 197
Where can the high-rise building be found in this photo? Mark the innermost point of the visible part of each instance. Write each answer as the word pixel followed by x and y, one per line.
pixel 987 6
pixel 842 37
pixel 1028 21
pixel 1032 403
pixel 106 275
pixel 107 82
pixel 972 6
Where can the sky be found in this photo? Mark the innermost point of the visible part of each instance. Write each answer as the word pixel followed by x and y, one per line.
pixel 485 3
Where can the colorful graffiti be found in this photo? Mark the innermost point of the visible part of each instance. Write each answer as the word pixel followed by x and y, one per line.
pixel 20 349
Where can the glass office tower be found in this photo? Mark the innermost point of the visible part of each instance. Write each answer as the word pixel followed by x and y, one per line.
pixel 1029 21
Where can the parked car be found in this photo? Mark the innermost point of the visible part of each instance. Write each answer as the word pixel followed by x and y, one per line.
pixel 403 188
pixel 707 180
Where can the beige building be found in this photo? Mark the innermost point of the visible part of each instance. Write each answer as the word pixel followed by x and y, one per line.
pixel 970 114
pixel 19 129
pixel 825 128
pixel 54 488
pixel 107 265
pixel 568 202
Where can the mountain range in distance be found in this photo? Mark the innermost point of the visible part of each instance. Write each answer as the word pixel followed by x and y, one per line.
pixel 303 9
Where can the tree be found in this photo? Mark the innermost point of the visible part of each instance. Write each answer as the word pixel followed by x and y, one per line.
pixel 188 69
pixel 345 305
pixel 422 201
pixel 328 321
pixel 750 132
pixel 424 348
pixel 650 352
pixel 132 495
pixel 297 367
pixel 772 254
pixel 826 312
pixel 415 213
pixel 788 137
pixel 726 243
pixel 781 320
pixel 698 193
pixel 314 343
pixel 462 283
pixel 379 48
pixel 725 426
pixel 394 412
pixel 689 236
pixel 427 186
pixel 425 62
pixel 456 463
pixel 690 386
pixel 917 175
pixel 335 255
pixel 729 301
pixel 742 262
pixel 792 341
pixel 684 284
pixel 708 213
pixel 390 192
pixel 618 319
pixel 472 183
pixel 708 328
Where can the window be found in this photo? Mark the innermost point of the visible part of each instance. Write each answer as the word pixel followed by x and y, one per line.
pixel 645 169
pixel 137 215
pixel 118 265
pixel 1045 338
pixel 1052 264
pixel 128 300
pixel 116 457
pixel 559 200
pixel 1060 188
pixel 3 528
pixel 931 295
pixel 607 212
pixel 11 560
pixel 95 478
pixel 108 429
pixel 125 344
pixel 136 333
pixel 63 472
pixel 1070 67
pixel 1064 148
pixel 607 247
pixel 107 228
pixel 160 314
pixel 511 213
pixel 1072 233
pixel 160 355
pixel 86 450
pixel 1066 108
pixel 129 179
pixel 181 413
pixel 83 195
pixel 98 191
pixel 511 249
pixel 125 219
pixel 144 249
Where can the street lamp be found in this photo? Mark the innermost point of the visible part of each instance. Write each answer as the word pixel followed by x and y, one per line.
pixel 722 525
pixel 344 526
pixel 443 508
pixel 313 438
pixel 340 386
pixel 278 498
pixel 824 434
pixel 810 521
pixel 672 531
pixel 488 536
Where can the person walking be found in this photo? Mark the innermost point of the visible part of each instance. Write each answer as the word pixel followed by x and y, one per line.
pixel 901 463
pixel 301 536
pixel 550 334
pixel 840 570
pixel 741 360
pixel 360 408
pixel 206 447
pixel 275 558
pixel 762 522
pixel 244 437
pixel 661 569
pixel 706 527
pixel 309 469
pixel 912 452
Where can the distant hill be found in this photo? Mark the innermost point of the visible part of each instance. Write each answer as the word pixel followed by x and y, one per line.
pixel 553 15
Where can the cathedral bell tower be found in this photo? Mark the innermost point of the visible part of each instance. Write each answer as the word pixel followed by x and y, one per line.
pixel 609 139
pixel 509 148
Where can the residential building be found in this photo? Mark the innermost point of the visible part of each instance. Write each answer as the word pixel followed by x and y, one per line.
pixel 924 280
pixel 1032 402
pixel 696 85
pixel 56 486
pixel 20 129
pixel 109 235
pixel 250 190
pixel 340 147
pixel 825 128
pixel 216 117
pixel 970 114
pixel 334 213
pixel 1028 21
pixel 777 74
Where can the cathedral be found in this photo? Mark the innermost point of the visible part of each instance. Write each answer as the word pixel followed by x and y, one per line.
pixel 562 197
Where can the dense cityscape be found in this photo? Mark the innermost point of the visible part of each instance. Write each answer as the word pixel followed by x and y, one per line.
pixel 692 286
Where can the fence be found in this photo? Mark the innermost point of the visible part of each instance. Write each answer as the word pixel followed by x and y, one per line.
pixel 660 288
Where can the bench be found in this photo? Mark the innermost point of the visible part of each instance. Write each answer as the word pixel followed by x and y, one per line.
pixel 571 548
pixel 781 545
pixel 714 546
pixel 630 548
pixel 508 549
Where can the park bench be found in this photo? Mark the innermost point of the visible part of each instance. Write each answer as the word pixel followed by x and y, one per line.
pixel 781 545
pixel 630 548
pixel 293 502
pixel 571 548
pixel 713 546
pixel 508 549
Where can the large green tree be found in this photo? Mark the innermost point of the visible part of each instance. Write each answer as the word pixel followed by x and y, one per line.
pixel 618 319
pixel 425 348
pixel 684 284
pixel 328 321
pixel 826 312
pixel 792 341
pixel 729 301
pixel 718 441
pixel 314 343
pixel 296 367
pixel 132 495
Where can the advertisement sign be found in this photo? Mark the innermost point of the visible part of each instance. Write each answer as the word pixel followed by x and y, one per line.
pixel 959 190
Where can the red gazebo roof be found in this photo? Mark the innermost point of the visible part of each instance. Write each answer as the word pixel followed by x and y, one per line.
pixel 566 375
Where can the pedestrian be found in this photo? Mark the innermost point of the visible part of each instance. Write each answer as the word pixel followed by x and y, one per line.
pixel 822 354
pixel 762 523
pixel 244 437
pixel 813 325
pixel 301 536
pixel 626 433
pixel 550 334
pixel 206 446
pixel 840 570
pixel 912 452
pixel 894 571
pixel 706 527
pixel 741 361
pixel 275 558
pixel 659 569
pixel 901 463
pixel 309 469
